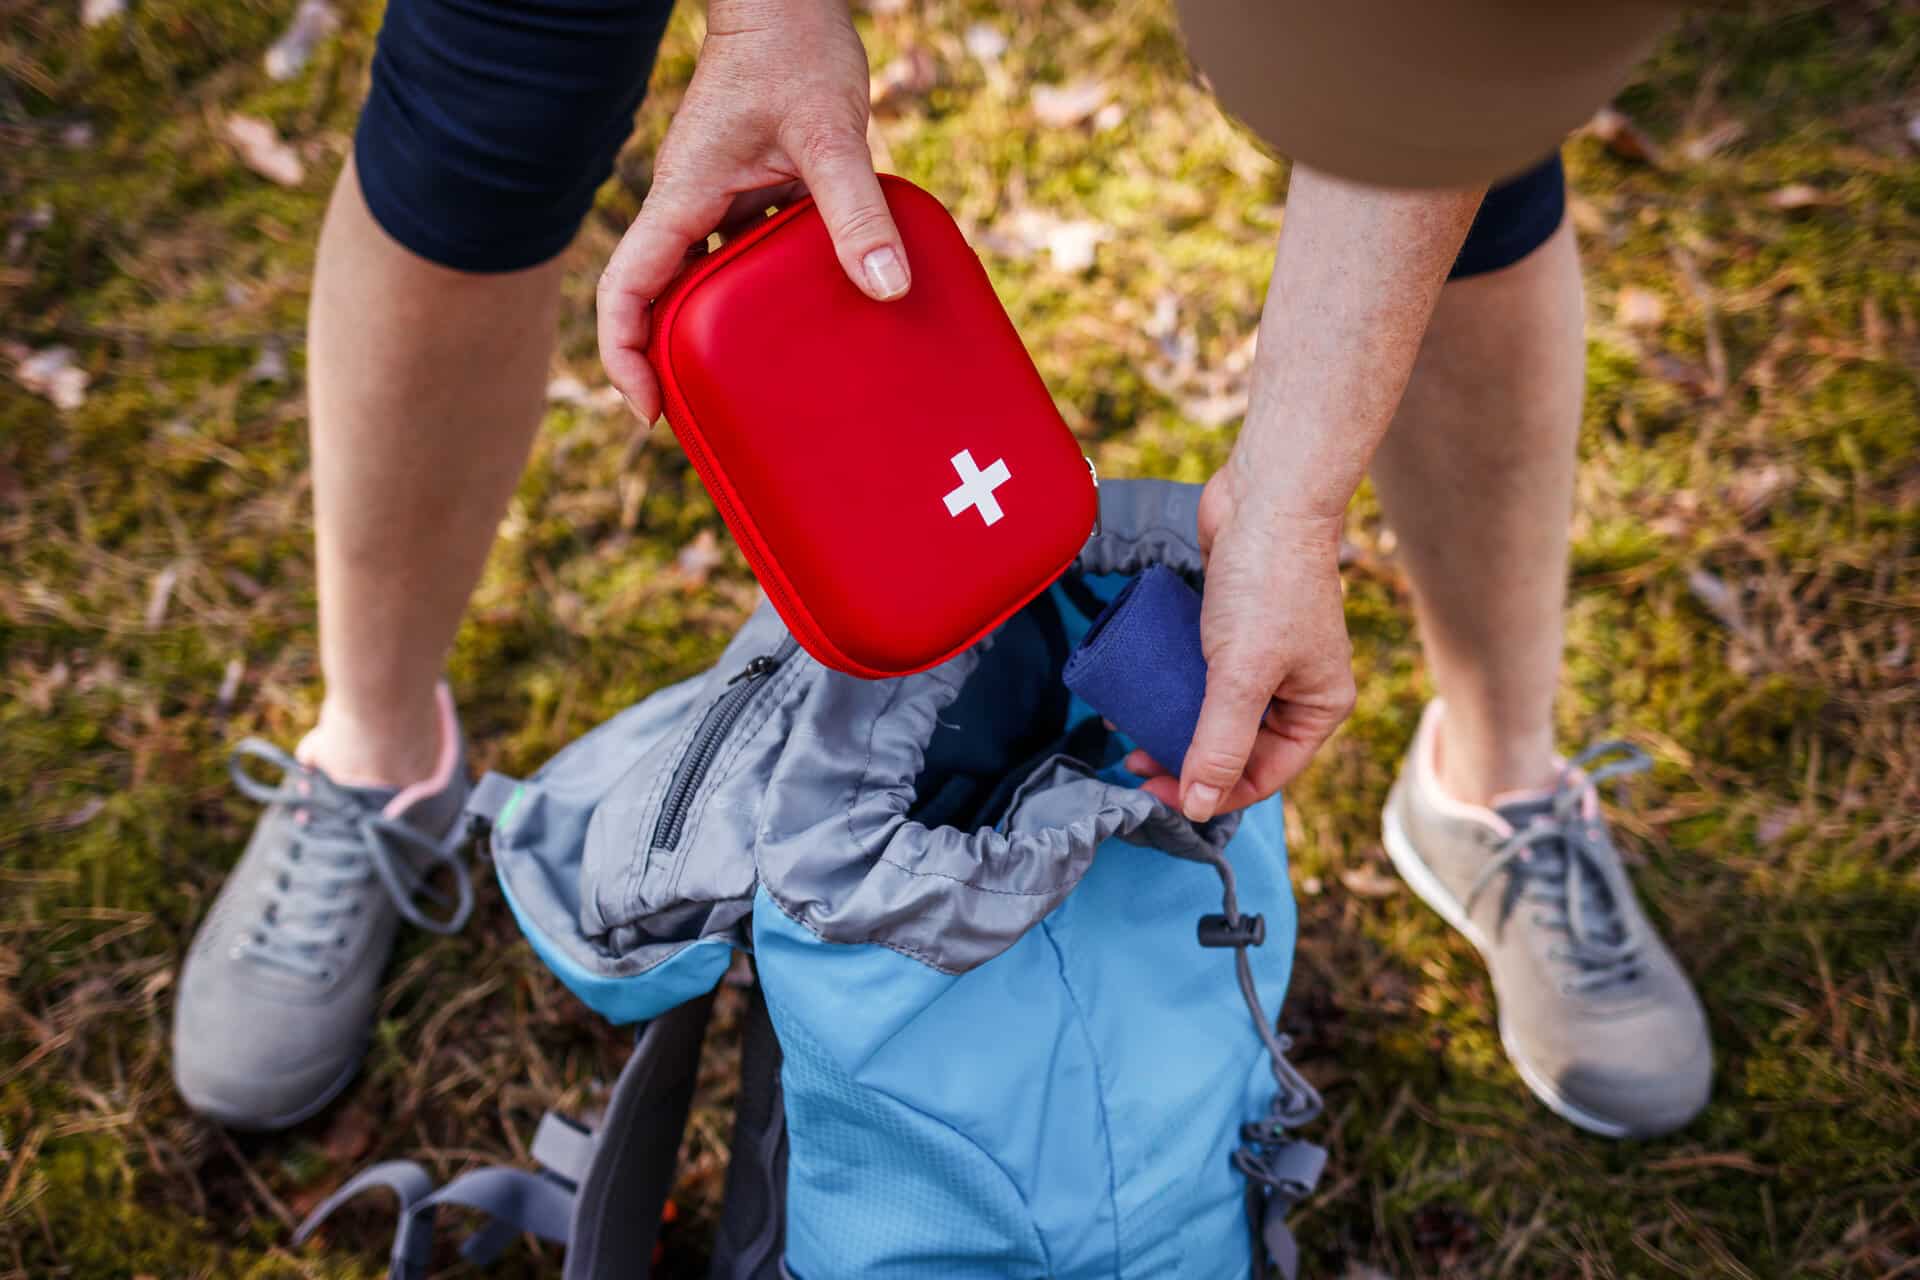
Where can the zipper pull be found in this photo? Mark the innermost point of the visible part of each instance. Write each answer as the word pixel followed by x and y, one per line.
pixel 764 665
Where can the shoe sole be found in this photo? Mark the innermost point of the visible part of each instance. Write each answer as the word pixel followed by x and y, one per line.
pixel 1420 878
pixel 273 1124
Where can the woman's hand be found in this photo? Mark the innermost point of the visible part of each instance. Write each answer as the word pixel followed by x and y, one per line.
pixel 778 103
pixel 1279 665
pixel 1354 282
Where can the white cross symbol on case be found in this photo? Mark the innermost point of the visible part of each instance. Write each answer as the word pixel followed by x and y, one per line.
pixel 977 486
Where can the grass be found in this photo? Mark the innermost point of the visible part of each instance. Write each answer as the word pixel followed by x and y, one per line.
pixel 1746 603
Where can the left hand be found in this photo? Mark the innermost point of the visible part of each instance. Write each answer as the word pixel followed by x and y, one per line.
pixel 778 105
pixel 1274 631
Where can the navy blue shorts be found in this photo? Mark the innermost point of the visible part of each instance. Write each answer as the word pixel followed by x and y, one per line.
pixel 491 123
pixel 1516 218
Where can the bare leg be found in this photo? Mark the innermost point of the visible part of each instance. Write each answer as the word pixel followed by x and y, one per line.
pixel 426 386
pixel 1476 479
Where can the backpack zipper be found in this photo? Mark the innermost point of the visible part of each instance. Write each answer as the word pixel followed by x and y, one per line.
pixel 707 739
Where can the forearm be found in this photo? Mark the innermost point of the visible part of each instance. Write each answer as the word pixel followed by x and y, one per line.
pixel 1355 280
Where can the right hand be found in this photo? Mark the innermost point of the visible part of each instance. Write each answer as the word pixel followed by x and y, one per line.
pixel 778 103
pixel 1274 630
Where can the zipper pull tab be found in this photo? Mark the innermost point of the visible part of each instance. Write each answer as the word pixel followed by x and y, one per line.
pixel 764 665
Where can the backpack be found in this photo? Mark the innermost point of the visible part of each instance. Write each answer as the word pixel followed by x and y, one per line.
pixel 1013 1017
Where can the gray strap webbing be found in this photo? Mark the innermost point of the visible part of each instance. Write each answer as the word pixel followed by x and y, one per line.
pixel 514 1200
pixel 616 1217
pixel 1283 1251
pixel 562 1147
pixel 1281 1172
pixel 489 796
pixel 600 1198
pixel 1294 1168
pixel 412 1250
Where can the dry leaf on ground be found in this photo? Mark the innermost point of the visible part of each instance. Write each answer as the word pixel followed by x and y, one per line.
pixel 1704 146
pixel 1689 375
pixel 1623 137
pixel 1638 308
pixel 349 1135
pixel 1063 106
pixel 1770 829
pixel 699 558
pixel 911 75
pixel 1211 395
pixel 262 150
pixel 230 683
pixel 304 1201
pixel 1368 881
pixel 569 390
pixel 1754 488
pixel 90 808
pixel 41 690
pixel 270 365
pixel 52 373
pixel 1797 195
pixel 985 42
pixel 313 22
pixel 1069 243
pixel 1215 409
pixel 160 594
pixel 1720 600
pixel 1897 657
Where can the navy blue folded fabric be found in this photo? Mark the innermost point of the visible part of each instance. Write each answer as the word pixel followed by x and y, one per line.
pixel 1140 664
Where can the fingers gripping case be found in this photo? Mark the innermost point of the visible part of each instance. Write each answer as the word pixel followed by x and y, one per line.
pixel 895 472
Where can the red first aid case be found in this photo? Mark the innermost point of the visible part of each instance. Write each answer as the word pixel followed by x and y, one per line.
pixel 895 472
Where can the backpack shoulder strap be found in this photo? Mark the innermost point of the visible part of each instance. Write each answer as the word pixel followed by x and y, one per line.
pixel 752 1237
pixel 636 1149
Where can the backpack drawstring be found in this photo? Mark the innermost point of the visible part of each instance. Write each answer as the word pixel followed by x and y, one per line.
pixel 1281 1170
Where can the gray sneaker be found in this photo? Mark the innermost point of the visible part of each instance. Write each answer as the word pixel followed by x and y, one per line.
pixel 1595 1014
pixel 278 991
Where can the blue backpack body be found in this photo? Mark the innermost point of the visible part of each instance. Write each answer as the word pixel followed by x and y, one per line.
pixel 1017 1017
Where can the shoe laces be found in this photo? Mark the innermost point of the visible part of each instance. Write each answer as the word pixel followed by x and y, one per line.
pixel 1564 868
pixel 338 842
